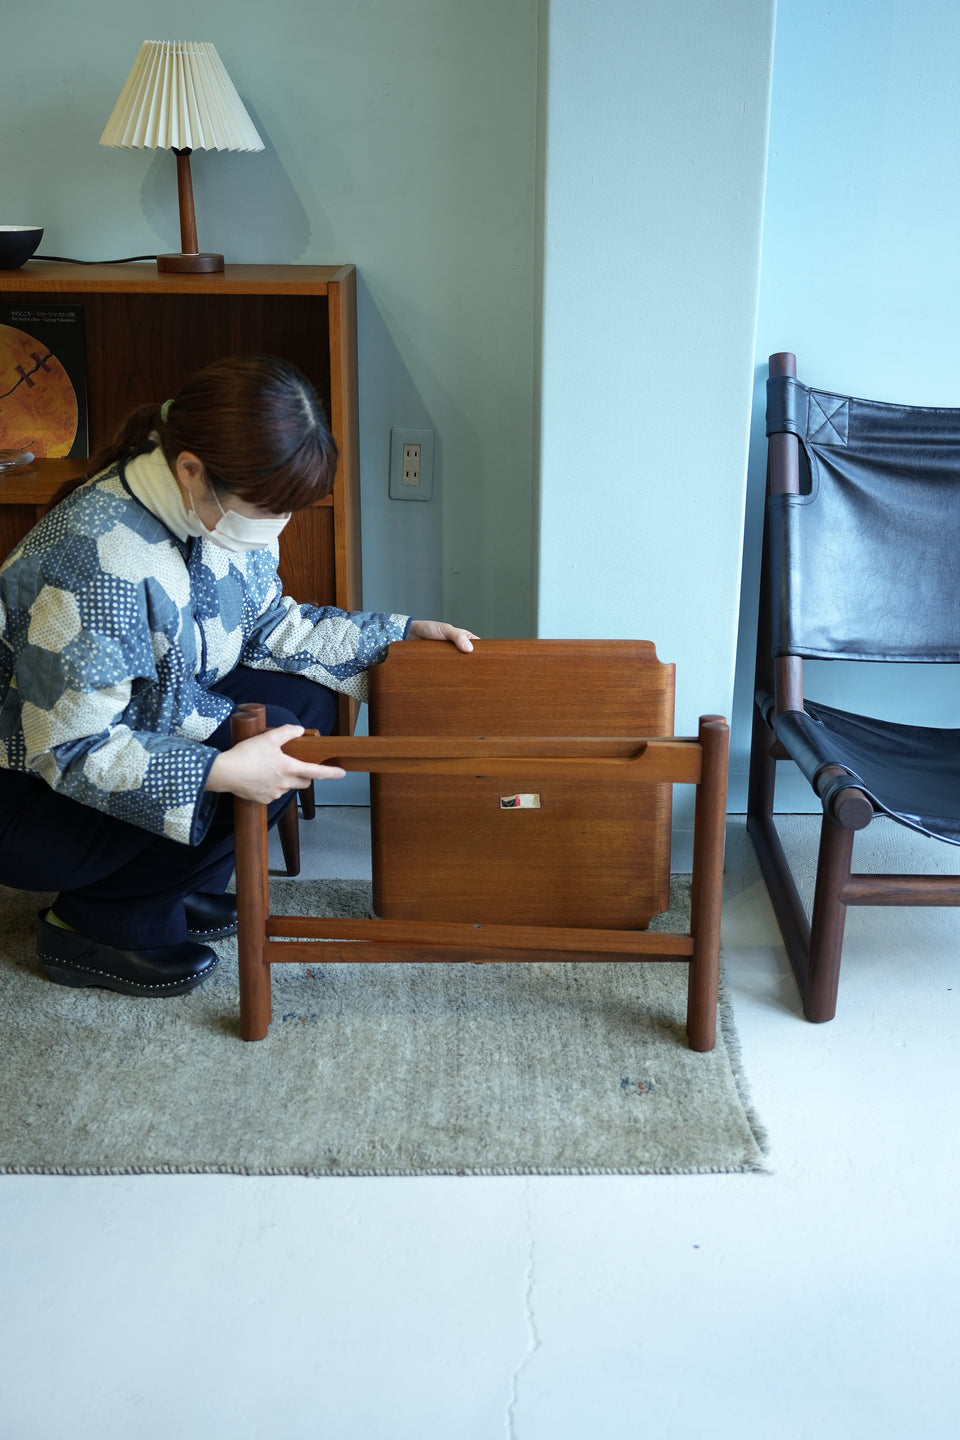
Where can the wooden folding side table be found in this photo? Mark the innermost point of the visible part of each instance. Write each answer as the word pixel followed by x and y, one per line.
pixel 521 809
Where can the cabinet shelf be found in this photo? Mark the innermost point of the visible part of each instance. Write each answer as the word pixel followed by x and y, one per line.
pixel 40 483
pixel 145 331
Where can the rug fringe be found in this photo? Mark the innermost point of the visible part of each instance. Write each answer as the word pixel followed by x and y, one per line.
pixel 93 1172
pixel 731 1039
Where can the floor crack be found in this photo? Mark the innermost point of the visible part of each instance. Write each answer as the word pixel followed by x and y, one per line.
pixel 533 1334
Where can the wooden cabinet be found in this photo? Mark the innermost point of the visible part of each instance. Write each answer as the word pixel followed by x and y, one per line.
pixel 145 331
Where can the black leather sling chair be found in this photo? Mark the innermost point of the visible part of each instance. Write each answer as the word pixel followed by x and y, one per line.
pixel 861 561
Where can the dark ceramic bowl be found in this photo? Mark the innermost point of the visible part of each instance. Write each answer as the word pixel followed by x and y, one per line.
pixel 17 244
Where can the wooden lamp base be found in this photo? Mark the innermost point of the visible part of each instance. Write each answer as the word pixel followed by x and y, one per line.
pixel 196 264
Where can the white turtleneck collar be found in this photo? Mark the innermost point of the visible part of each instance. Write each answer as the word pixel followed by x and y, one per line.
pixel 150 479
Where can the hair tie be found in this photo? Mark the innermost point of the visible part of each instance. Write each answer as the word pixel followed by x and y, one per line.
pixel 165 410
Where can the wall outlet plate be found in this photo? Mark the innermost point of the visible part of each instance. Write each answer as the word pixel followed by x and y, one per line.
pixel 408 479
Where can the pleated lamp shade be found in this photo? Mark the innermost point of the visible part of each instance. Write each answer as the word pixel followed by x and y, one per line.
pixel 178 96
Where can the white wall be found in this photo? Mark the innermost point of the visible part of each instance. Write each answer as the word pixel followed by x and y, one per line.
pixel 859 273
pixel 655 136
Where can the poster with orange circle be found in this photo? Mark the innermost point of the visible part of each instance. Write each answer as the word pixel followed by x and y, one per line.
pixel 43 380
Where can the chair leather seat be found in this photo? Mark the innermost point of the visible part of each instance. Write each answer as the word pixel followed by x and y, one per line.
pixel 910 772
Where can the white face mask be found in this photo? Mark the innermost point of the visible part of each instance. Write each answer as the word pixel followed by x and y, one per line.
pixel 234 531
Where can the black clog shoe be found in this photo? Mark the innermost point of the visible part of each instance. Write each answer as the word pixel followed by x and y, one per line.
pixel 210 917
pixel 69 958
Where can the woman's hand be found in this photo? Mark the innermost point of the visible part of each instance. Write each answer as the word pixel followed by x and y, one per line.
pixel 257 769
pixel 439 630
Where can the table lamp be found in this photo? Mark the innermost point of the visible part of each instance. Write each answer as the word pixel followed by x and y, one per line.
pixel 178 96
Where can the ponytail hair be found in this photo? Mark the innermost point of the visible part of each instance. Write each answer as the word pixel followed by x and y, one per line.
pixel 254 421
pixel 131 437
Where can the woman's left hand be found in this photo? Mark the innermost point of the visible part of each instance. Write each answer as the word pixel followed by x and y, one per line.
pixel 439 630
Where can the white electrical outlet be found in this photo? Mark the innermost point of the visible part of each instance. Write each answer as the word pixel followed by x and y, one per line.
pixel 410 470
pixel 411 464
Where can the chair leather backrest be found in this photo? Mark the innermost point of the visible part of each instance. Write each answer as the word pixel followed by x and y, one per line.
pixel 864 566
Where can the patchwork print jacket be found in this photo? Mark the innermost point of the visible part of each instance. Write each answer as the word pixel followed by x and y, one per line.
pixel 112 632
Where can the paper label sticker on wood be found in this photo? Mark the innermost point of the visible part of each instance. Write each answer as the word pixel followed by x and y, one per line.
pixel 519 802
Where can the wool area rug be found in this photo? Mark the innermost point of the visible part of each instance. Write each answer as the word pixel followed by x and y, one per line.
pixel 368 1069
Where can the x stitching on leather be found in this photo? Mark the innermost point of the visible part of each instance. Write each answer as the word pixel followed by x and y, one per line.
pixel 832 427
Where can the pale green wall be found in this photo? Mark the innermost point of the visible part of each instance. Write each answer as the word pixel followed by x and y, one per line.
pixel 400 136
pixel 859 278
pixel 655 144
pixel 448 147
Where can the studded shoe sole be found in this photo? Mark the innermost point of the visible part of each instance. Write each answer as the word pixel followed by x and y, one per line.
pixel 69 958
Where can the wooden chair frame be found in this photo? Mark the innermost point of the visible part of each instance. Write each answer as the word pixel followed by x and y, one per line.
pixel 814 946
pixel 265 939
pixel 288 828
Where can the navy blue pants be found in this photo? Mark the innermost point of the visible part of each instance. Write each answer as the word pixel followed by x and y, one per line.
pixel 121 885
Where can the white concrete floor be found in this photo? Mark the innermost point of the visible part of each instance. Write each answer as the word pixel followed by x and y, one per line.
pixel 816 1301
